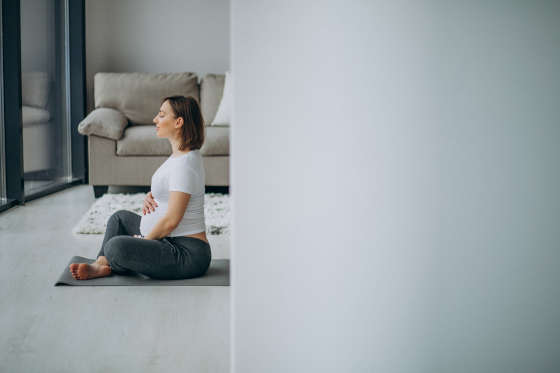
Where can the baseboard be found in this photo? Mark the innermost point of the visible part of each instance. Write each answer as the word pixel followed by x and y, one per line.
pixel 145 189
pixel 217 189
pixel 47 174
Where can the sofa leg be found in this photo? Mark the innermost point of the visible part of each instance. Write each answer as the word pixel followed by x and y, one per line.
pixel 99 190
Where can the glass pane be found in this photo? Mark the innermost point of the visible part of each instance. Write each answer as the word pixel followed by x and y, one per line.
pixel 46 141
pixel 2 151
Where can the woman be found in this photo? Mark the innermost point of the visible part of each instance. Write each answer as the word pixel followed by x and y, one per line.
pixel 169 241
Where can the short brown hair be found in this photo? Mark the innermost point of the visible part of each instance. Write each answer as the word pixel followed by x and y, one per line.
pixel 193 126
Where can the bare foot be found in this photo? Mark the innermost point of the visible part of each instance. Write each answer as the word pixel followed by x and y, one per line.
pixel 85 271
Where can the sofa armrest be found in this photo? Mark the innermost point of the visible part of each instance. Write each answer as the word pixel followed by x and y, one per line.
pixel 104 122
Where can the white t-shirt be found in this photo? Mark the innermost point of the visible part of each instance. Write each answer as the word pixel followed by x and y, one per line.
pixel 185 174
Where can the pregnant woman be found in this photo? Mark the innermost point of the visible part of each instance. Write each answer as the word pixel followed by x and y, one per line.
pixel 169 241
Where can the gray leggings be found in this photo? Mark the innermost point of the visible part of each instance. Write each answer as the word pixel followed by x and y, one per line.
pixel 169 258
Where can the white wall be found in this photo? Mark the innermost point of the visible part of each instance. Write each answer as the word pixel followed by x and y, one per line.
pixel 156 36
pixel 395 186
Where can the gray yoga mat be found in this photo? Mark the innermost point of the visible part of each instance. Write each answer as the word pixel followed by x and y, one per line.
pixel 217 275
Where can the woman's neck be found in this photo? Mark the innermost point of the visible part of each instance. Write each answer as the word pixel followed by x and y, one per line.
pixel 175 149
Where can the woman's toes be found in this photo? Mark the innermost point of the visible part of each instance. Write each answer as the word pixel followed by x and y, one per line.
pixel 74 267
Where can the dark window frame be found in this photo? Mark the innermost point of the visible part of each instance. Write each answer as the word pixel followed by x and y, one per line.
pixel 13 131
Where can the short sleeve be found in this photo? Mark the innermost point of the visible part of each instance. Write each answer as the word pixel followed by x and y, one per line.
pixel 183 179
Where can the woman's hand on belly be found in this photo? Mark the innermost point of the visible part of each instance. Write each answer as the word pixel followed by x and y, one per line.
pixel 148 221
pixel 150 203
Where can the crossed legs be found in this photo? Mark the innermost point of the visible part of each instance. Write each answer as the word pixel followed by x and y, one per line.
pixel 162 259
pixel 122 222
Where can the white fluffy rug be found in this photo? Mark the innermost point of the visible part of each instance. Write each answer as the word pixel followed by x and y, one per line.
pixel 216 211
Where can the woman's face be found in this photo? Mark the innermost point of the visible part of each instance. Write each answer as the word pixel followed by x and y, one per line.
pixel 165 121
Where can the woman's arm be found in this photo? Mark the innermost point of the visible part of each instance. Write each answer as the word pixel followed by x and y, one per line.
pixel 163 227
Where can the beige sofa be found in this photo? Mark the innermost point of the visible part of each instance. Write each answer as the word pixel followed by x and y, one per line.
pixel 123 148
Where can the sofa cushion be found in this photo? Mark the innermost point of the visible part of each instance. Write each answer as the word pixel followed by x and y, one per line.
pixel 216 141
pixel 104 122
pixel 35 89
pixel 138 95
pixel 224 110
pixel 211 91
pixel 31 115
pixel 143 140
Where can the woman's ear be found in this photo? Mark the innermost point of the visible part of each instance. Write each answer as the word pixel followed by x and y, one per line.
pixel 179 123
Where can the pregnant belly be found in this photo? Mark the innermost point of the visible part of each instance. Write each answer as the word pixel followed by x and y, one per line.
pixel 148 221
